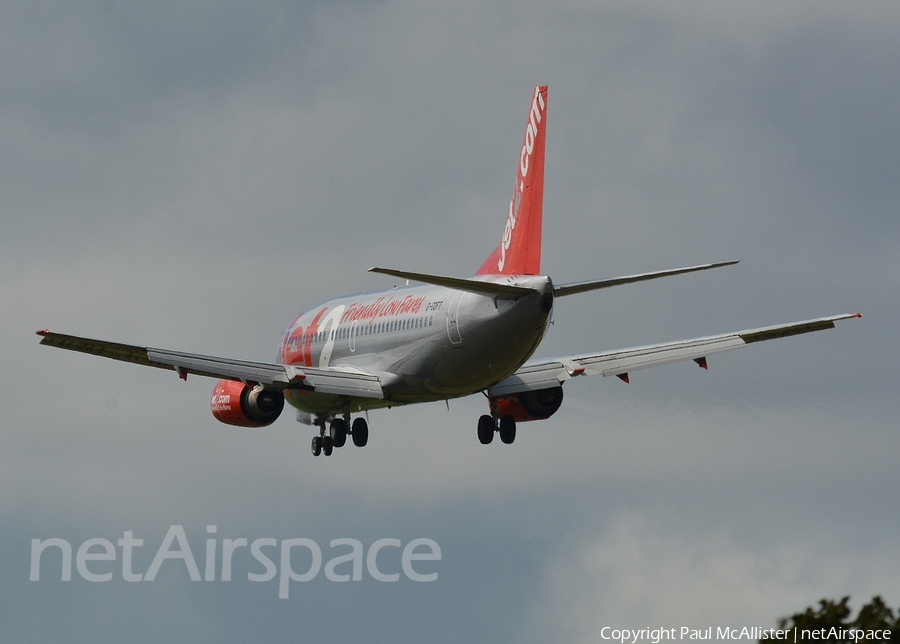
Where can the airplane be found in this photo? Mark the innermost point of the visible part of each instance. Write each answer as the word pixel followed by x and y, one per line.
pixel 445 337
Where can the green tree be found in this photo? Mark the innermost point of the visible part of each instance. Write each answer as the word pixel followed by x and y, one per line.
pixel 874 616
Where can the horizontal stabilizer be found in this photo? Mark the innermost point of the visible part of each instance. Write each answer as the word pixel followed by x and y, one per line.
pixel 581 287
pixel 505 291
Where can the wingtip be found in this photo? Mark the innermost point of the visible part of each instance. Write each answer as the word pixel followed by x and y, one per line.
pixel 46 332
pixel 857 314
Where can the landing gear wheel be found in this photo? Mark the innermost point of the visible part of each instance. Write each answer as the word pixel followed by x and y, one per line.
pixel 316 446
pixel 486 427
pixel 338 432
pixel 327 445
pixel 507 429
pixel 359 431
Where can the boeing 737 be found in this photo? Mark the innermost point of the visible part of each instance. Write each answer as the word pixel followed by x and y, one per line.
pixel 444 337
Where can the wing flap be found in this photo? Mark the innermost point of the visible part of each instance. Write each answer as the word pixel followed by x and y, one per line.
pixel 259 372
pixel 343 382
pixel 530 377
pixel 555 371
pixel 616 362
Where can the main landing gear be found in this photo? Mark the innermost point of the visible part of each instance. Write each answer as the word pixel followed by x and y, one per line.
pixel 487 425
pixel 337 435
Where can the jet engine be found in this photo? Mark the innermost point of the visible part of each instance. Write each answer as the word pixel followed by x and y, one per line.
pixel 234 403
pixel 530 405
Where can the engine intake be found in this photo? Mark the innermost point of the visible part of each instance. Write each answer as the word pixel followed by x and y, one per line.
pixel 234 403
pixel 539 404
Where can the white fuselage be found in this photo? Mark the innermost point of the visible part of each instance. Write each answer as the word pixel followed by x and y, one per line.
pixel 424 342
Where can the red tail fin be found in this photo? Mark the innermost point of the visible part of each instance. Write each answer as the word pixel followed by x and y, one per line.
pixel 519 253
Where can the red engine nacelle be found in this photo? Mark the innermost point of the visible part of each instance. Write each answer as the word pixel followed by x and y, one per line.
pixel 530 405
pixel 234 403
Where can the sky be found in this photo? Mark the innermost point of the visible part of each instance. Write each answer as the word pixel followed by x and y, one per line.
pixel 192 175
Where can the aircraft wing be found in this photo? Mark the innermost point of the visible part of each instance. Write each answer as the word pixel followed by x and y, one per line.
pixel 543 374
pixel 329 380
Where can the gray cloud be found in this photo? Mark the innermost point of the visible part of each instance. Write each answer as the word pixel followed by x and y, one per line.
pixel 193 176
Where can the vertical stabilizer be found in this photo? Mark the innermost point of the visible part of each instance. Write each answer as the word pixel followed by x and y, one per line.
pixel 519 252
